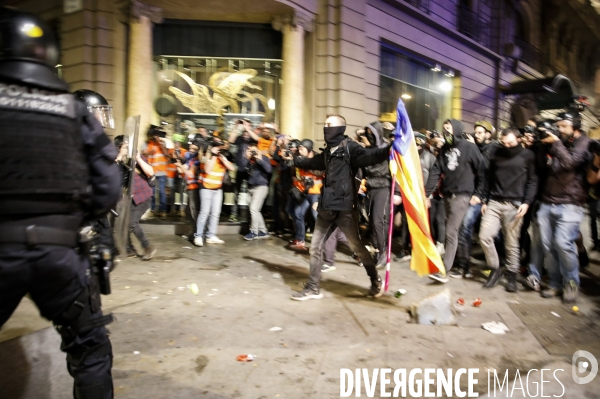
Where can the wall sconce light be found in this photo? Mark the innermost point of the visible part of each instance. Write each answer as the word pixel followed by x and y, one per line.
pixel 450 73
pixel 436 68
pixel 406 96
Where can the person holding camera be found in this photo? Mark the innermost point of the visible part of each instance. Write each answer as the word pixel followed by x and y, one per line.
pixel 242 136
pixel 211 194
pixel 305 192
pixel 174 177
pixel 337 206
pixel 191 170
pixel 483 139
pixel 510 190
pixel 562 203
pixel 158 157
pixel 378 184
pixel 258 169
pixel 283 184
pixel 463 168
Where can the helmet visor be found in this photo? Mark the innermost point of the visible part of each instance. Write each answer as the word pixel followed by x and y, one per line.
pixel 104 114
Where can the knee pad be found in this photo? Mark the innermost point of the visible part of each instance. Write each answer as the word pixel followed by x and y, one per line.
pixel 77 319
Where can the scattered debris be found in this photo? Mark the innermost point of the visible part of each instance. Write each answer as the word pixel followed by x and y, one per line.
pixel 154 297
pixel 555 314
pixel 274 329
pixel 276 275
pixel 434 310
pixel 210 294
pixel 477 302
pixel 246 292
pixel 400 292
pixel 495 327
pixel 149 272
pixel 245 358
pixel 215 290
pixel 194 288
pixel 136 352
pixel 448 353
pixel 186 247
pixel 460 301
pixel 127 287
pixel 251 261
pixel 181 288
pixel 575 308
pixel 154 281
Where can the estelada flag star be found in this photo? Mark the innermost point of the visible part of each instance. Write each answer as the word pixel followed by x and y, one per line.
pixel 405 166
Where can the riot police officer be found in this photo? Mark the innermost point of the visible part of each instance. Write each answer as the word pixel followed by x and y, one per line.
pixel 57 172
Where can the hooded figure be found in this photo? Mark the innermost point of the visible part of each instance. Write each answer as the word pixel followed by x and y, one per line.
pixel 464 171
pixel 461 163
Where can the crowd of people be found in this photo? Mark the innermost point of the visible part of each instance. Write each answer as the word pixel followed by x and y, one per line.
pixel 519 192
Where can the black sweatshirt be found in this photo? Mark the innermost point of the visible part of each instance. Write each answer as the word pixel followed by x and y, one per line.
pixel 462 165
pixel 339 193
pixel 512 176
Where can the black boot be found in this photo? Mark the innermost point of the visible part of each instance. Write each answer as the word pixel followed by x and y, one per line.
pixel 493 278
pixel 511 282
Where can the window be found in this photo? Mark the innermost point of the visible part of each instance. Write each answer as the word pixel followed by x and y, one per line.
pixel 422 5
pixel 425 87
pixel 213 85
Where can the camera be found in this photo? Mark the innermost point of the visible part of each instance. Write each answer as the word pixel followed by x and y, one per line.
pixel 467 135
pixel 594 147
pixel 528 129
pixel 239 122
pixel 287 153
pixel 545 127
pixel 308 183
pixel 254 153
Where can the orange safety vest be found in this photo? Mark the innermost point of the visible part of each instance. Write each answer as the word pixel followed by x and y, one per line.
pixel 157 159
pixel 171 168
pixel 299 182
pixel 213 179
pixel 193 181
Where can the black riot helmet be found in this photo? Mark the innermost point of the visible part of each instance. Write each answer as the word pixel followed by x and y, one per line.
pixel 98 106
pixel 28 50
pixel 570 116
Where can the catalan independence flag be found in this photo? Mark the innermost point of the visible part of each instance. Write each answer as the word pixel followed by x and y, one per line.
pixel 405 165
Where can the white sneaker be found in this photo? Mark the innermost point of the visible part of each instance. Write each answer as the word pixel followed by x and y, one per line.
pixel 214 240
pixel 440 248
pixel 198 242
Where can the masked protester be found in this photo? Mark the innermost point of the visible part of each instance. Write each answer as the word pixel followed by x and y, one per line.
pixel 337 206
pixel 378 183
pixel 463 168
pixel 562 205
pixel 483 139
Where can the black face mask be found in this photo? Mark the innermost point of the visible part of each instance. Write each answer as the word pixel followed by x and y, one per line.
pixel 334 135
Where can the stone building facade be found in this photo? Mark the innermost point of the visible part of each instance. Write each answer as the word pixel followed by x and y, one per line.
pixel 447 58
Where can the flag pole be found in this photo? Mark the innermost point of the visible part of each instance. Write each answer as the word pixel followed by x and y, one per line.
pixel 389 246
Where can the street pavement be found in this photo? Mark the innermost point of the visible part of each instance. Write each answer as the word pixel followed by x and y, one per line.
pixel 171 343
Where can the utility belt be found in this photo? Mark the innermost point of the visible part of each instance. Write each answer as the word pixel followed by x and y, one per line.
pixel 60 230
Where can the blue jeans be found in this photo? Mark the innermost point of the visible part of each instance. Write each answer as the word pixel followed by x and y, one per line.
pixel 210 210
pixel 559 227
pixel 536 250
pixel 298 210
pixel 161 184
pixel 465 236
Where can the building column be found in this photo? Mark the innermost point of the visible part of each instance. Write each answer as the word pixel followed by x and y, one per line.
pixel 139 61
pixel 293 26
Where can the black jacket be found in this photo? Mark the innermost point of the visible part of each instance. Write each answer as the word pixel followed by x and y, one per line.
pixel 378 175
pixel 339 192
pixel 512 176
pixel 566 182
pixel 462 165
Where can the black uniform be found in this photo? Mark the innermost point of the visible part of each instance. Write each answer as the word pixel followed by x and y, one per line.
pixel 57 170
